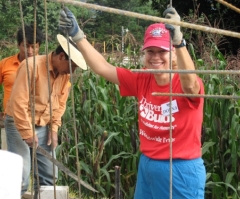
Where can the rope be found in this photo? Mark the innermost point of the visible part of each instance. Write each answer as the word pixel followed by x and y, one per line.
pixel 229 5
pixel 151 18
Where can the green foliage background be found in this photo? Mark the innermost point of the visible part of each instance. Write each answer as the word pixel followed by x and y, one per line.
pixel 106 124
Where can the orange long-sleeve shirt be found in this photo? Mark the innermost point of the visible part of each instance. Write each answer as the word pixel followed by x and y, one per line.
pixel 18 105
pixel 8 68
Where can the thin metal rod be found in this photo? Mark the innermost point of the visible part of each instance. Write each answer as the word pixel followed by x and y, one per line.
pixel 29 86
pixel 74 117
pixel 34 158
pixel 151 18
pixel 196 95
pixel 170 114
pixel 232 72
pixel 49 94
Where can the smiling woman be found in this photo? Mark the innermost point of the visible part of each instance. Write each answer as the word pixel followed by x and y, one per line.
pixel 171 126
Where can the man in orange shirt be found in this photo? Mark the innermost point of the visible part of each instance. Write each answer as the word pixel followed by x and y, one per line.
pixel 9 65
pixel 21 136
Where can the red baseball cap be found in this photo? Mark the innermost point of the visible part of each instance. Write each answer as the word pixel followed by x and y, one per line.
pixel 157 35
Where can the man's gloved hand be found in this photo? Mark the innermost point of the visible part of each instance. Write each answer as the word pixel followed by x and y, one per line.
pixel 68 22
pixel 176 34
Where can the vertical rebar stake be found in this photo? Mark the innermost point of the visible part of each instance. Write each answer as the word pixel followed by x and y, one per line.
pixel 117 183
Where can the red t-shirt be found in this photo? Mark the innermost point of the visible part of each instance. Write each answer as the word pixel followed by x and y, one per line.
pixel 154 120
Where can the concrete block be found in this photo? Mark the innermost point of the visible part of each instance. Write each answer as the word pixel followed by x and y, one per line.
pixel 11 166
pixel 47 192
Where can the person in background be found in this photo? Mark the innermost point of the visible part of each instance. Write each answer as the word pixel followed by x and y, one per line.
pixel 21 137
pixel 9 66
pixel 155 121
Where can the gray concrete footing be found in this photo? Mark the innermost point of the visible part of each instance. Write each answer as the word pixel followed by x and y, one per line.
pixel 47 192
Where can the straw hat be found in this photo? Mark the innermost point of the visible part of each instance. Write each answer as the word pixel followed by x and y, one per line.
pixel 75 54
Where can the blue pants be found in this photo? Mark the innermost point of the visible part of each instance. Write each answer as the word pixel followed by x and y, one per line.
pixel 188 179
pixel 18 146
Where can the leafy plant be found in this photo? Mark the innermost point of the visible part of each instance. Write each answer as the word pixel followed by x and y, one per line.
pixel 107 136
pixel 221 129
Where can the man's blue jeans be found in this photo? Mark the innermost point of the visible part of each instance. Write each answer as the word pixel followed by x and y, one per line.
pixel 18 146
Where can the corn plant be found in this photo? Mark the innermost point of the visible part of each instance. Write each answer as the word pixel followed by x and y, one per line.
pixel 221 129
pixel 107 136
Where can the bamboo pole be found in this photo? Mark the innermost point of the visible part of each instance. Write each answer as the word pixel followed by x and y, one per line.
pixel 229 5
pixel 150 18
